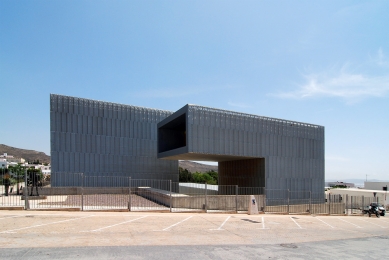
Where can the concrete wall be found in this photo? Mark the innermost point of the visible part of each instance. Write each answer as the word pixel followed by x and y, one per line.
pixel 213 202
pixel 321 208
pixel 198 189
pixel 381 196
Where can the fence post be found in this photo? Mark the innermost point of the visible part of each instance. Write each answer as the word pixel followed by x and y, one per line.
pixel 25 192
pixel 310 202
pixel 363 202
pixel 288 200
pixel 352 204
pixel 129 194
pixel 170 188
pixel 236 198
pixel 205 205
pixel 82 192
pixel 347 204
pixel 264 199
pixel 329 203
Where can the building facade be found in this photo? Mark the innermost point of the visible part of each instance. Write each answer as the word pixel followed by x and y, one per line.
pixel 100 138
pixel 252 151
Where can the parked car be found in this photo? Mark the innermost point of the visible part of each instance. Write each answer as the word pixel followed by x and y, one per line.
pixel 374 208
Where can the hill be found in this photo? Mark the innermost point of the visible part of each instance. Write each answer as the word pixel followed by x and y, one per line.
pixel 31 155
pixel 196 167
pixel 28 155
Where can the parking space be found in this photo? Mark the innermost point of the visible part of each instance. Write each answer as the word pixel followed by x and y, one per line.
pixel 99 228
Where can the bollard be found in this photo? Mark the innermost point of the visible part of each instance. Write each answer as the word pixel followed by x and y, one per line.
pixel 253 206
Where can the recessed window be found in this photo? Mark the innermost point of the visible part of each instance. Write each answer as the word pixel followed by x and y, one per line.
pixel 172 135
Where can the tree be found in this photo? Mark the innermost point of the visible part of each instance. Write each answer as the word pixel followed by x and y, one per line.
pixel 18 173
pixel 185 175
pixel 214 176
pixel 210 177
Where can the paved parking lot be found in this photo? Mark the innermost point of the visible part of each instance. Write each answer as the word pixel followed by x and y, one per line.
pixel 39 229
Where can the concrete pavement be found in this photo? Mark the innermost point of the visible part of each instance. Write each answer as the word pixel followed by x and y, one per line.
pixel 145 235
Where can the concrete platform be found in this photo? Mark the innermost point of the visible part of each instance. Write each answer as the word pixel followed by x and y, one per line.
pixel 40 197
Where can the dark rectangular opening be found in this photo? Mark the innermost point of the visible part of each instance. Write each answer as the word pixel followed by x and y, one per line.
pixel 172 135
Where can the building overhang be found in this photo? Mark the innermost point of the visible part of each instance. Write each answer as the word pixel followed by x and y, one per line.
pixel 181 155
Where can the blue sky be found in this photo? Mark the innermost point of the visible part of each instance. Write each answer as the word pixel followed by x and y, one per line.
pixel 320 62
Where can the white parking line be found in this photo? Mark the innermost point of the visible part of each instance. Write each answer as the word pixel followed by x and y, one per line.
pixel 116 224
pixel 220 228
pixel 263 224
pixel 372 223
pixel 13 230
pixel 349 222
pixel 165 229
pixel 325 223
pixel 296 222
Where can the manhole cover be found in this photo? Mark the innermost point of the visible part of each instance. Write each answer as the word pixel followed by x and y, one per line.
pixel 289 245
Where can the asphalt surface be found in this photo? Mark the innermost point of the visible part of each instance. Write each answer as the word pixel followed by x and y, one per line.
pixel 146 235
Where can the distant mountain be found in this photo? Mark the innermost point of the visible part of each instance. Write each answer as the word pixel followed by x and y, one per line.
pixel 355 180
pixel 197 167
pixel 31 155
pixel 28 155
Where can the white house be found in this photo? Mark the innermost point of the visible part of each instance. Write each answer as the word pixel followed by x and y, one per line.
pixel 3 163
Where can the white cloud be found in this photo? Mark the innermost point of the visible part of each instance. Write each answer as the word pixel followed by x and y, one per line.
pixel 380 59
pixel 341 83
pixel 344 85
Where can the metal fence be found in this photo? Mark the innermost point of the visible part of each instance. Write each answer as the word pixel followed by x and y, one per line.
pixel 126 194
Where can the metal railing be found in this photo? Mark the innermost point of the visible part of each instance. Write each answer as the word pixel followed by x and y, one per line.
pixel 119 193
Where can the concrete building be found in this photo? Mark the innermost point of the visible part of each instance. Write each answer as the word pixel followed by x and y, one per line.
pixel 376 185
pixel 3 163
pixel 252 151
pixel 101 138
pixel 105 139
pixel 11 159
